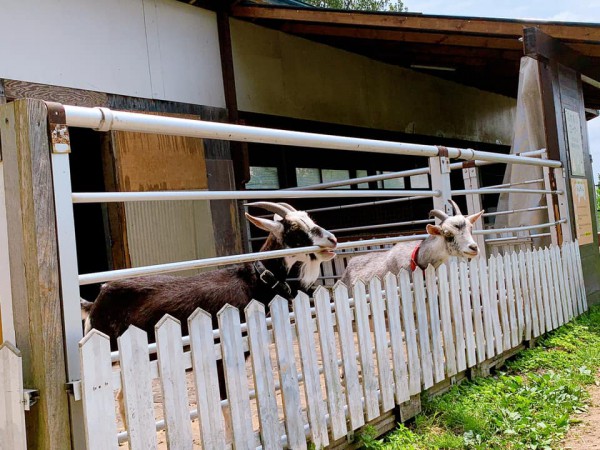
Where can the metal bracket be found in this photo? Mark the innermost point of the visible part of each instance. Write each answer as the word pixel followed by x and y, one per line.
pixel 30 398
pixel 74 388
pixel 57 127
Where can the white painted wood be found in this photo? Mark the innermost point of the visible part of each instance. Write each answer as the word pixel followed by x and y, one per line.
pixel 137 388
pixel 365 345
pixel 172 380
pixel 558 297
pixel 477 310
pixel 236 381
pixel 567 281
pixel 578 262
pixel 446 321
pixel 502 303
pixel 315 403
pixel 206 379
pixel 437 345
pixel 467 310
pixel 344 322
pixel 143 65
pixel 575 280
pixel 264 380
pixel 536 314
pixel 12 414
pixel 423 330
pixel 457 316
pixel 396 338
pixel 288 374
pixel 517 270
pixel 510 300
pixel 547 289
pixel 335 395
pixel 525 296
pixel 575 271
pixel 6 309
pixel 100 420
pixel 488 325
pixel 384 369
pixel 495 304
pixel 410 334
pixel 560 283
pixel 543 313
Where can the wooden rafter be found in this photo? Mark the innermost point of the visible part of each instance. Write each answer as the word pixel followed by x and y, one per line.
pixel 464 25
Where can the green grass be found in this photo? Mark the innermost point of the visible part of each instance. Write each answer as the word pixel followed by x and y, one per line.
pixel 530 405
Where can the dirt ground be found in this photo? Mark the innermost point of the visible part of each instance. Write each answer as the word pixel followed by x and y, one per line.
pixel 586 435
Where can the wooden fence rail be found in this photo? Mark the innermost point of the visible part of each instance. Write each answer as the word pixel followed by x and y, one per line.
pixel 325 366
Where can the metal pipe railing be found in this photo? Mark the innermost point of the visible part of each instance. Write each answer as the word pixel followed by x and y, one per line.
pixel 113 275
pixel 105 119
pixel 505 191
pixel 349 182
pixel 516 238
pixel 113 197
pixel 519 183
pixel 514 211
pixel 517 229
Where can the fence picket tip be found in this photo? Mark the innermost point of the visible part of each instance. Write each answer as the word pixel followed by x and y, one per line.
pixel 226 308
pixel 198 312
pixel 277 299
pixel 93 335
pixel 339 284
pixel 166 318
pixel 10 347
pixel 254 306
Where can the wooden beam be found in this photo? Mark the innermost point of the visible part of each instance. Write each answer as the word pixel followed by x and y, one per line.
pixel 34 269
pixel 15 89
pixel 378 34
pixel 539 45
pixel 420 22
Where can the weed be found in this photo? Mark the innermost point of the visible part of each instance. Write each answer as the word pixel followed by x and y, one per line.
pixel 528 406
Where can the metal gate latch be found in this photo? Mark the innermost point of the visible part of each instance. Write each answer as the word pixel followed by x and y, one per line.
pixel 30 398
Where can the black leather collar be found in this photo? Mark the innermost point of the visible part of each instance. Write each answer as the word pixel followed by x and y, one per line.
pixel 269 278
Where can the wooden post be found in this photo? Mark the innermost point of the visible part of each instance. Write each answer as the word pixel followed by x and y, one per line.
pixel 440 180
pixel 34 269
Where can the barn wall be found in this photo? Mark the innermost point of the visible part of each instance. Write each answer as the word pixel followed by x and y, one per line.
pixel 159 49
pixel 284 75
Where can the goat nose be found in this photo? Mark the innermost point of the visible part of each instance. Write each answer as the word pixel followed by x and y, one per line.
pixel 332 239
pixel 474 247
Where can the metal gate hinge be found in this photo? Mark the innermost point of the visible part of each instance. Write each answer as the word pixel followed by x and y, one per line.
pixel 74 388
pixel 30 398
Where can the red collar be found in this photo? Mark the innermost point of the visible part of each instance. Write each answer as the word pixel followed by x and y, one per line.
pixel 413 258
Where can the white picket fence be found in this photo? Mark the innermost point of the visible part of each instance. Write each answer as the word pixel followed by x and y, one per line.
pixel 12 409
pixel 328 366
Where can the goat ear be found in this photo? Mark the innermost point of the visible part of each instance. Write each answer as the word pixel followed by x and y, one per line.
pixel 433 229
pixel 265 224
pixel 473 217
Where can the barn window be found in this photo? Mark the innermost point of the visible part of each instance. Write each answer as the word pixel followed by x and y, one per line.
pixel 263 178
pixel 307 176
pixel 361 174
pixel 419 181
pixel 392 183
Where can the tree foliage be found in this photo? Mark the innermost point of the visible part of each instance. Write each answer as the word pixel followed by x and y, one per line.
pixel 361 5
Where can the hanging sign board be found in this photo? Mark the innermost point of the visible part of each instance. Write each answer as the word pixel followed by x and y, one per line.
pixel 575 142
pixel 583 216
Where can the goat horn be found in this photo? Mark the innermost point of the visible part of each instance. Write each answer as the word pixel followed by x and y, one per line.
pixel 456 208
pixel 439 214
pixel 276 208
pixel 288 206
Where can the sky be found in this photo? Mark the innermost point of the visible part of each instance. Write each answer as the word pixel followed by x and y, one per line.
pixel 560 10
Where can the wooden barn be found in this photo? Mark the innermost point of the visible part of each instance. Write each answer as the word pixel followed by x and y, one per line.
pixel 493 85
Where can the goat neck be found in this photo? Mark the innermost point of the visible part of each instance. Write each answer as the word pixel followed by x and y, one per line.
pixel 432 251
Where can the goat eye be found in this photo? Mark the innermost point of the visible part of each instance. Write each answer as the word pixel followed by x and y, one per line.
pixel 449 237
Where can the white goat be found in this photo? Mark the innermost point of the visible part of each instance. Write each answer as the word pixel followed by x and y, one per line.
pixel 451 238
